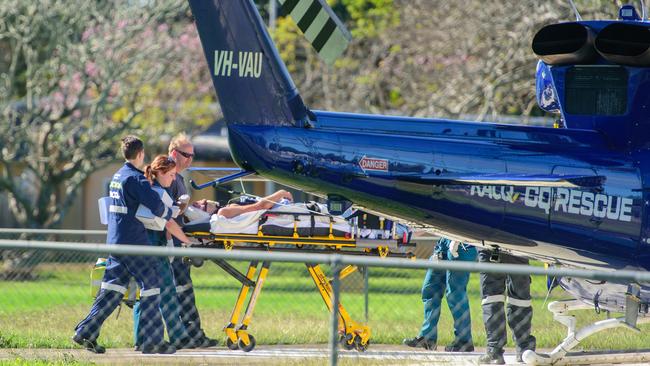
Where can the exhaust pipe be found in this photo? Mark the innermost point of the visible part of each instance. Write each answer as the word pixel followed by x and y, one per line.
pixel 564 43
pixel 624 44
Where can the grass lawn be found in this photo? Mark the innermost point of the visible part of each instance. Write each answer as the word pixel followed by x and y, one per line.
pixel 43 313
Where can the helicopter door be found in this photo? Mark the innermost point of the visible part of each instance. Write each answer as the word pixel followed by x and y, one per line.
pixel 572 223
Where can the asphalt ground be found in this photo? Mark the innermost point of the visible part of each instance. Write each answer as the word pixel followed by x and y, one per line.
pixel 272 355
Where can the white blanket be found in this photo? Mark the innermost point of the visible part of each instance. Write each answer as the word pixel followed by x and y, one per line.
pixel 283 216
pixel 248 223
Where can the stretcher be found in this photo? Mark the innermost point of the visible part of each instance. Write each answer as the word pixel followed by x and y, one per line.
pixel 296 229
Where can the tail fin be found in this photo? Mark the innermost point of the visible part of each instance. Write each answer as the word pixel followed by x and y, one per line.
pixel 252 82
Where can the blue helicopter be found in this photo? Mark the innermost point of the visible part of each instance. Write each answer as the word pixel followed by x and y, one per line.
pixel 574 196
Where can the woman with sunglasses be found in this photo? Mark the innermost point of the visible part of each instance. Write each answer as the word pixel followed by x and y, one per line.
pixel 161 172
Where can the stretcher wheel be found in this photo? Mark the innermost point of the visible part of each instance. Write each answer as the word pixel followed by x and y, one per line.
pixel 360 347
pixel 249 347
pixel 233 346
pixel 346 341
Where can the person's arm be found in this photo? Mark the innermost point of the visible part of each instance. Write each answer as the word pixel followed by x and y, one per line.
pixel 231 211
pixel 263 204
pixel 150 198
pixel 269 201
pixel 174 229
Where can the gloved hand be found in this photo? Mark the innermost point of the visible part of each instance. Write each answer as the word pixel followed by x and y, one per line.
pixel 175 211
pixel 183 202
pixel 453 248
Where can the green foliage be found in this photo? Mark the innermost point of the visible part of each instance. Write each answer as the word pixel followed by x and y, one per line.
pixel 76 78
pixel 371 17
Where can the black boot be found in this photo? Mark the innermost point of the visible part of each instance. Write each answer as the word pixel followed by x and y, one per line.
pixel 163 348
pixel 89 345
pixel 205 342
pixel 460 346
pixel 420 341
pixel 492 358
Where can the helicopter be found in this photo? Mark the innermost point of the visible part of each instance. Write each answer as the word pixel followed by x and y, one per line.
pixel 575 196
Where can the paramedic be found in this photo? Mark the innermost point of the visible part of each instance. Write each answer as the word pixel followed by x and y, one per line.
pixel 161 172
pixel 128 189
pixel 453 285
pixel 519 314
pixel 181 151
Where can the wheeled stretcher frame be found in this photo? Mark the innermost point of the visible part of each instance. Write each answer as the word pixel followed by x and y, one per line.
pixel 353 335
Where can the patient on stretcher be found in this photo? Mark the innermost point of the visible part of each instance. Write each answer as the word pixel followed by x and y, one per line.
pixel 277 215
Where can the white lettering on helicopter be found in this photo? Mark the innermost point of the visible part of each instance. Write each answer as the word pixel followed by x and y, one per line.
pixel 248 65
pixel 496 193
pixel 571 201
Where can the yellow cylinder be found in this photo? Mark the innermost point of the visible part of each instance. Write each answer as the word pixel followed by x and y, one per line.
pixel 96 276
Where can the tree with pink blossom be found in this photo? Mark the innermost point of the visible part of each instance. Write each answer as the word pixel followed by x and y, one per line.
pixel 75 76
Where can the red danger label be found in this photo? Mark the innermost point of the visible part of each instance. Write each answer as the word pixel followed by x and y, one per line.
pixel 373 164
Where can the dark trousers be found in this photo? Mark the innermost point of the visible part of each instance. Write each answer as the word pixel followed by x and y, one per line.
pixel 186 299
pixel 169 308
pixel 119 270
pixel 494 287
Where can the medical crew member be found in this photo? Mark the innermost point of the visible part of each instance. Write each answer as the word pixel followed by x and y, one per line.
pixel 128 189
pixel 454 285
pixel 494 287
pixel 181 151
pixel 161 173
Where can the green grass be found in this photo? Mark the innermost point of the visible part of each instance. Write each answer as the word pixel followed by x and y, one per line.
pixel 43 313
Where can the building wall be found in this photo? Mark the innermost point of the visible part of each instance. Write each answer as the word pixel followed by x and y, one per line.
pixel 85 213
pixel 95 187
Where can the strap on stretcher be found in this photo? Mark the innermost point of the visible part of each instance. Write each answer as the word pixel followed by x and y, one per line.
pixel 296 216
pixel 310 239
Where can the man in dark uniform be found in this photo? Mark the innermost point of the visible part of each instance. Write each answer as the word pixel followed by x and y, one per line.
pixel 128 189
pixel 494 287
pixel 182 151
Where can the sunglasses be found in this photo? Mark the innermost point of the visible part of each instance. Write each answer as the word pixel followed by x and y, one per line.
pixel 186 155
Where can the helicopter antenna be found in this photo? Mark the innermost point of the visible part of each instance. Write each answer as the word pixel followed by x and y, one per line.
pixel 575 10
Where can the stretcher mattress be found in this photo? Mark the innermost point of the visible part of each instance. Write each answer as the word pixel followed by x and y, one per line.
pixel 308 219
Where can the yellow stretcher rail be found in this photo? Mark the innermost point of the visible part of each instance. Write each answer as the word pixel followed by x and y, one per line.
pixel 352 335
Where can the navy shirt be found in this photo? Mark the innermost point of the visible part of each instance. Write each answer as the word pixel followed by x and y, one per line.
pixel 176 190
pixel 128 189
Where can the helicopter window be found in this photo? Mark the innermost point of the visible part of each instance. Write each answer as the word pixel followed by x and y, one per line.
pixel 596 90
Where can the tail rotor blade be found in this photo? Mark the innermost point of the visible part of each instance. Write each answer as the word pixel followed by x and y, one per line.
pixel 322 28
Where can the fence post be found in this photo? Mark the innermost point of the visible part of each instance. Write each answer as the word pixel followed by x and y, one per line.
pixel 365 292
pixel 334 319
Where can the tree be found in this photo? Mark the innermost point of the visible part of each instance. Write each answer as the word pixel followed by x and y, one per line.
pixel 74 78
pixel 432 58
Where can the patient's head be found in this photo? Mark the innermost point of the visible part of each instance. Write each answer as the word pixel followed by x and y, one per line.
pixel 162 169
pixel 207 206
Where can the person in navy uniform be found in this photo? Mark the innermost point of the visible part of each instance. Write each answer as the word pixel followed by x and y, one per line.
pixel 128 189
pixel 453 285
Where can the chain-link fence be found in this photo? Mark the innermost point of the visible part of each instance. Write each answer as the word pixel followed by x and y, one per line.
pixel 48 287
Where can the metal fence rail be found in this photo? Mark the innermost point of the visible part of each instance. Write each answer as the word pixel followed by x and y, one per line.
pixel 52 231
pixel 336 261
pixel 331 259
